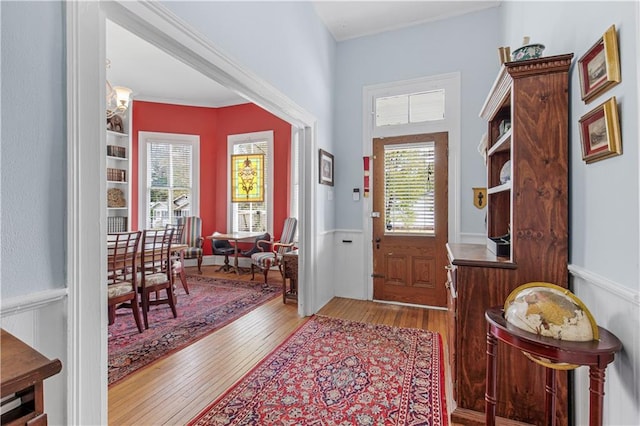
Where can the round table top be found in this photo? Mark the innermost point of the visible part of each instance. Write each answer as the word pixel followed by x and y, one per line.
pixel 593 352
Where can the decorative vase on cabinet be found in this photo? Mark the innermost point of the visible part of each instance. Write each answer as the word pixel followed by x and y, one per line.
pixel 528 126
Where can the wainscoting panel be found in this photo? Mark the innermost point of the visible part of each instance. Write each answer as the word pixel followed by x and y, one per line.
pixel 349 265
pixel 39 320
pixel 617 309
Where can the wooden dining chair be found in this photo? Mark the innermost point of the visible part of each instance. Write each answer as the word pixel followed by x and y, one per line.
pixel 177 257
pixel 156 273
pixel 122 257
pixel 267 259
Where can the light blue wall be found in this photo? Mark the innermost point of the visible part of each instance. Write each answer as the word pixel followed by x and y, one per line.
pixel 33 164
pixel 465 44
pixel 285 44
pixel 604 215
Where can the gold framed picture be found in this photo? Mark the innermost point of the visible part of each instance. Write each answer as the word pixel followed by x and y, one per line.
pixel 600 132
pixel 599 68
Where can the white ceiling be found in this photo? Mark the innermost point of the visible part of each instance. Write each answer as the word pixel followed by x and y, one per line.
pixel 153 75
pixel 351 19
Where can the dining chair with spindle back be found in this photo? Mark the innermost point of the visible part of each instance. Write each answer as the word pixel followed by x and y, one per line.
pixel 156 273
pixel 177 256
pixel 122 258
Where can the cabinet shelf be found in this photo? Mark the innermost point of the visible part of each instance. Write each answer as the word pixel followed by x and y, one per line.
pixel 118 179
pixel 117 134
pixel 503 144
pixel 499 188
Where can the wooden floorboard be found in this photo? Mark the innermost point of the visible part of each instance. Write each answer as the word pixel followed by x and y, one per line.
pixel 176 388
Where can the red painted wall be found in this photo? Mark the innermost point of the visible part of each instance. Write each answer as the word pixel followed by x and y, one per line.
pixel 213 125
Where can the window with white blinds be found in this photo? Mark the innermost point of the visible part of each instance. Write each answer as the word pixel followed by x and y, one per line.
pixel 169 178
pixel 409 108
pixel 409 193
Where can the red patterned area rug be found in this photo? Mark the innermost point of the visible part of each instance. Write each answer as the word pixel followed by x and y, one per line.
pixel 211 304
pixel 339 372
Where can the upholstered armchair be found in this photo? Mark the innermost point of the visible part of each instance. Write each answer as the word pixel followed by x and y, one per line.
pixel 192 237
pixel 262 243
pixel 267 259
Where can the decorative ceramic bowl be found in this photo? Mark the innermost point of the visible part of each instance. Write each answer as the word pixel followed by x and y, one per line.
pixel 529 51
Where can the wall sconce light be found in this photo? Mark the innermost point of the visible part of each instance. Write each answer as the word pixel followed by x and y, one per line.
pixel 118 98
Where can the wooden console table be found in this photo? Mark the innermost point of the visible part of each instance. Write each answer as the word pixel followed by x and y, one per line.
pixel 22 371
pixel 290 261
pixel 597 354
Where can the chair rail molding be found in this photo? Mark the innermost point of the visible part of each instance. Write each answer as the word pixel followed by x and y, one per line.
pixel 609 286
pixel 30 302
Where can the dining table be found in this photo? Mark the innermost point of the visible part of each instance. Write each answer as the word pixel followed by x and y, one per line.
pixel 235 237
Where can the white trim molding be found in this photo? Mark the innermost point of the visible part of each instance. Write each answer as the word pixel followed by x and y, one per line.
pixel 86 310
pixel 30 302
pixel 450 82
pixel 609 286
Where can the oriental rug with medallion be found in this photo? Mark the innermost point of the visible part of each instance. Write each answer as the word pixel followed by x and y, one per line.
pixel 339 372
pixel 211 304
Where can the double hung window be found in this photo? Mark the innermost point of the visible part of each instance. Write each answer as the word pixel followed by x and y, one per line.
pixel 169 170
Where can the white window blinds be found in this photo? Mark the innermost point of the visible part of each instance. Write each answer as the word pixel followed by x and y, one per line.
pixel 409 108
pixel 169 182
pixel 409 199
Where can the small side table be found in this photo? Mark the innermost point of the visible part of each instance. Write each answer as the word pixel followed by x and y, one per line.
pixel 290 261
pixel 597 354
pixel 23 369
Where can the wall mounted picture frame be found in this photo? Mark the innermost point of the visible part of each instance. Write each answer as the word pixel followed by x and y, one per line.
pixel 325 168
pixel 599 67
pixel 600 132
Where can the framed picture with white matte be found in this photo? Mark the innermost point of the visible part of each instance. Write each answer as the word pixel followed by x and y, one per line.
pixel 325 168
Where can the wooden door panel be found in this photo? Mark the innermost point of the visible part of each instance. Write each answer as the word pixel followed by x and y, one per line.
pixel 409 266
pixel 423 271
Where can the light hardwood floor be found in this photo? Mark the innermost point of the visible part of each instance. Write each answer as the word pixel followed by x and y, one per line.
pixel 174 389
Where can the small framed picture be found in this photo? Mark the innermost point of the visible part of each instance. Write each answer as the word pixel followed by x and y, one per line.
pixel 326 168
pixel 599 68
pixel 600 132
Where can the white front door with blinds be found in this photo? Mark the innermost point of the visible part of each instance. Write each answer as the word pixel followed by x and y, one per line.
pixel 168 176
pixel 410 233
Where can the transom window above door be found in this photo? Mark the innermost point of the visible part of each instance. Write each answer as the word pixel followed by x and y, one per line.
pixel 409 108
